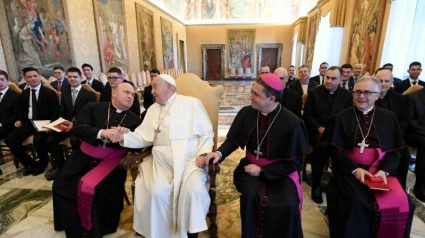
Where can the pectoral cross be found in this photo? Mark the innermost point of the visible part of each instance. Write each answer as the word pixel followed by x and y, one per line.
pixel 157 131
pixel 104 140
pixel 258 153
pixel 362 146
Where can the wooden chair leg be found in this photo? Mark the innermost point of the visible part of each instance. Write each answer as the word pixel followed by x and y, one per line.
pixel 126 198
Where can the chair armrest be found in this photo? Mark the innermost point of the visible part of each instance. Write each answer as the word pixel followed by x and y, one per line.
pixel 213 170
pixel 132 162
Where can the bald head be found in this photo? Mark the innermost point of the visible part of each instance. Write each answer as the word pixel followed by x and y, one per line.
pixel 123 96
pixel 385 76
pixel 281 72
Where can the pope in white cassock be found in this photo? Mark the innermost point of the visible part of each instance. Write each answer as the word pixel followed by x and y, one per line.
pixel 171 197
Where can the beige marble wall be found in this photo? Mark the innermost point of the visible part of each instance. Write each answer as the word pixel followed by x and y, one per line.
pixel 133 42
pixel 82 33
pixel 3 65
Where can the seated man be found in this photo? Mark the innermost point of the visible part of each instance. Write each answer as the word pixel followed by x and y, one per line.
pixel 275 141
pixel 365 141
pixel 38 103
pixel 415 136
pixel 73 99
pixel 88 190
pixel 61 81
pixel 171 197
pixel 9 106
pixel 116 77
pixel 148 99
pixel 88 73
pixel 290 99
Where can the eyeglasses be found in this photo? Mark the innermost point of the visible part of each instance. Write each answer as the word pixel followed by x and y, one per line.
pixel 365 93
pixel 113 78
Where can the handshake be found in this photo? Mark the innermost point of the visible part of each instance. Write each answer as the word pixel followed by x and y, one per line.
pixel 114 134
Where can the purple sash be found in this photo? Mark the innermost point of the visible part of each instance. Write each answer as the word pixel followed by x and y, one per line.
pixel 110 159
pixel 261 162
pixel 393 205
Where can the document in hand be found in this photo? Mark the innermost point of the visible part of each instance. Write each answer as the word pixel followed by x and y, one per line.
pixel 39 125
pixel 376 183
pixel 59 125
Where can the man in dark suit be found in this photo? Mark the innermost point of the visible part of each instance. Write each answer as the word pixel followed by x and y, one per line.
pixel 347 80
pixel 320 78
pixel 415 69
pixel 37 103
pixel 72 100
pixel 303 84
pixel 415 136
pixel 148 99
pixel 292 71
pixel 396 103
pixel 61 81
pixel 290 99
pixel 9 106
pixel 357 71
pixel 88 73
pixel 115 77
pixel 390 67
pixel 322 103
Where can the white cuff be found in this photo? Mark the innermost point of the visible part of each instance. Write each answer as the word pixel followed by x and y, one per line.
pixel 99 135
pixel 354 170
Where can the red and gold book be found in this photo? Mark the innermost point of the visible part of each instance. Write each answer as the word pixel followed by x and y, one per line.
pixel 59 125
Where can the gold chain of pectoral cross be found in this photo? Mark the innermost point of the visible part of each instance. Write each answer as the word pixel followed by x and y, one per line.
pixel 161 119
pixel 363 143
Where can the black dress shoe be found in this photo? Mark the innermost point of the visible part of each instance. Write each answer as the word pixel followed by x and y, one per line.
pixel 38 170
pixel 420 193
pixel 51 174
pixel 28 171
pixel 192 235
pixel 316 195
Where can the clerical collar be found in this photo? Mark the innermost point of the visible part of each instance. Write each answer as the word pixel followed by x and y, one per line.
pixel 334 92
pixel 171 99
pixel 116 109
pixel 273 112
pixel 365 111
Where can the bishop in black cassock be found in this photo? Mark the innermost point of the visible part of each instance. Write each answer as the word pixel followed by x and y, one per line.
pixel 107 202
pixel 267 178
pixel 365 143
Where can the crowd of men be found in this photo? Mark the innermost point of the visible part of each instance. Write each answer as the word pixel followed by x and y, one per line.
pixel 365 124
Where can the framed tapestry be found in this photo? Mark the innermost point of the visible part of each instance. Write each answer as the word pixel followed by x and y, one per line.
pixel 365 33
pixel 35 34
pixel 145 31
pixel 311 41
pixel 167 43
pixel 111 33
pixel 241 48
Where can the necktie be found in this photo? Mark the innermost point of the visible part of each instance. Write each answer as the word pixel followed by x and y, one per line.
pixel 1 96
pixel 89 83
pixel 59 85
pixel 344 84
pixel 74 96
pixel 414 82
pixel 34 104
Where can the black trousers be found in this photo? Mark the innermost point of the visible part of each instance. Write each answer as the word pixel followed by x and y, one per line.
pixel 14 142
pixel 4 131
pixel 318 158
pixel 58 158
pixel 418 142
pixel 403 166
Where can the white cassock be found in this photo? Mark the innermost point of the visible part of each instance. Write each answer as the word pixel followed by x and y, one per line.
pixel 171 196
